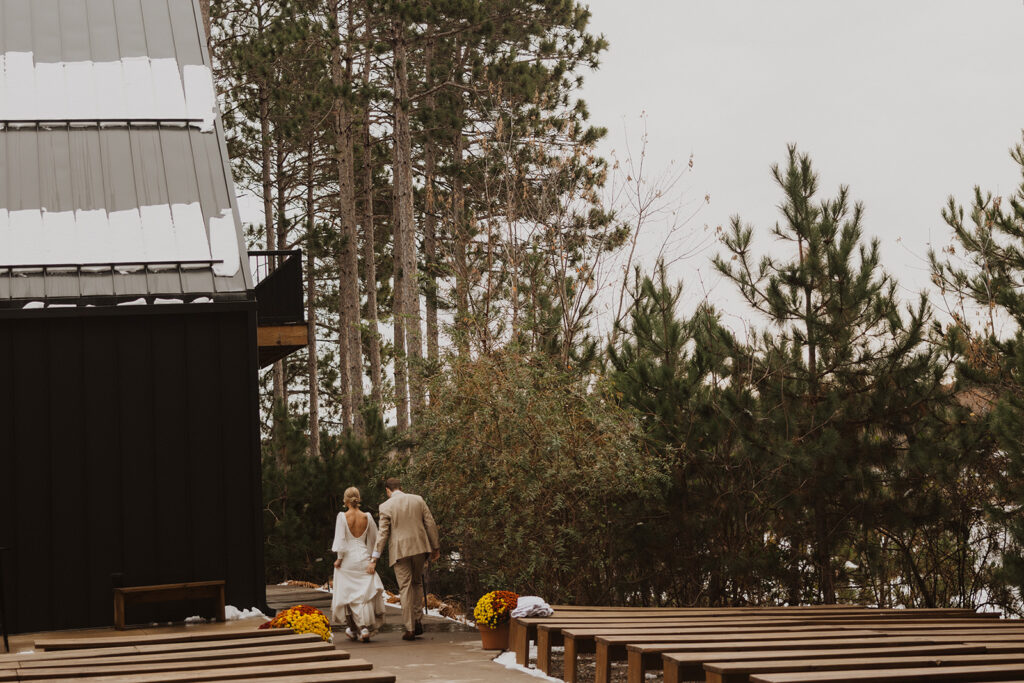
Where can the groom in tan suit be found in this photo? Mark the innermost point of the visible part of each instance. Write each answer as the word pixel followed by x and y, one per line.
pixel 408 530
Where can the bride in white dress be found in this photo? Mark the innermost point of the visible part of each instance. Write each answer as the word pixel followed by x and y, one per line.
pixel 358 599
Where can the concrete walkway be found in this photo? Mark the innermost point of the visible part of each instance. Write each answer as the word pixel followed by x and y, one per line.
pixel 447 651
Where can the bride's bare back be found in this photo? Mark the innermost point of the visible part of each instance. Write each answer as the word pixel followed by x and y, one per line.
pixel 356 520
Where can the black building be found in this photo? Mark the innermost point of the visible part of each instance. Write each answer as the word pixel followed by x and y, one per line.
pixel 130 334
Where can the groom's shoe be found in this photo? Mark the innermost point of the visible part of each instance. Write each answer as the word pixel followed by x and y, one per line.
pixel 419 629
pixel 408 635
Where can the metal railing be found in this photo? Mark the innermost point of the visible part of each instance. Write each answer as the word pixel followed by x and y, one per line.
pixel 277 276
pixel 38 278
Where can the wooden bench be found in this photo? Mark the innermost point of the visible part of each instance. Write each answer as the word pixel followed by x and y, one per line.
pixel 547 632
pixel 169 592
pixel 523 630
pixel 204 655
pixel 550 636
pixel 689 666
pixel 995 672
pixel 740 672
pixel 70 658
pixel 613 648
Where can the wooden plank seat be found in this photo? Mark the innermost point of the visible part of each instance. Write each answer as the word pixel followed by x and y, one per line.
pixel 550 635
pixel 978 638
pixel 68 658
pixel 585 640
pixel 178 647
pixel 688 666
pixel 271 659
pixel 994 672
pixel 242 655
pixel 740 672
pixel 547 632
pixel 196 636
pixel 350 677
pixel 168 592
pixel 613 648
pixel 356 666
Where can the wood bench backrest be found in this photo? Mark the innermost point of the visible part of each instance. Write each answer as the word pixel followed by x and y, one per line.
pixel 847 663
pixel 688 645
pixel 740 637
pixel 994 672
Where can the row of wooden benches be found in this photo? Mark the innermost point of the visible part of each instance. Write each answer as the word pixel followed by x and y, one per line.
pixel 778 644
pixel 272 656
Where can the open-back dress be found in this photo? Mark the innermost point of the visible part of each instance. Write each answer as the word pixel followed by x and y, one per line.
pixel 356 593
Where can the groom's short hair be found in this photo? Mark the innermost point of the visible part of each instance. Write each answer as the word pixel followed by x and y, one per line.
pixel 393 484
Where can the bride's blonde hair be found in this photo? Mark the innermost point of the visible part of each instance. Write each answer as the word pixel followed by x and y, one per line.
pixel 352 496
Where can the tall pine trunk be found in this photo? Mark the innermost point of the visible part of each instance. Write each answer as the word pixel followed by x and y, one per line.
pixel 430 224
pixel 348 290
pixel 281 228
pixel 204 8
pixel 460 251
pixel 822 537
pixel 268 221
pixel 341 256
pixel 404 233
pixel 369 239
pixel 312 361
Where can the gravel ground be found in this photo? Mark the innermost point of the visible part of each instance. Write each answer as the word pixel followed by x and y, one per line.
pixel 585 669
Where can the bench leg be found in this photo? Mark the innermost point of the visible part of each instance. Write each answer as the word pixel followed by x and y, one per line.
pixel 671 671
pixel 636 669
pixel 220 603
pixel 544 649
pixel 603 673
pixel 119 611
pixel 519 643
pixel 569 663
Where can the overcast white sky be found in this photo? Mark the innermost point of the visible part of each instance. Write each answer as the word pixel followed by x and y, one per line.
pixel 905 101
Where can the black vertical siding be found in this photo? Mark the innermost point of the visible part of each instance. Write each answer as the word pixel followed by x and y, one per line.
pixel 128 445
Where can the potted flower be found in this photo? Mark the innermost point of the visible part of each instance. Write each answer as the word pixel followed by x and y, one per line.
pixel 302 619
pixel 492 614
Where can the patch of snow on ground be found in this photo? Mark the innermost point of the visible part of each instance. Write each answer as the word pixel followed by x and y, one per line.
pixel 195 620
pixel 231 613
pixel 27 652
pixel 508 660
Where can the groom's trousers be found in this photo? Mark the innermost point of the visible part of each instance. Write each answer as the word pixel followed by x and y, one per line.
pixel 409 572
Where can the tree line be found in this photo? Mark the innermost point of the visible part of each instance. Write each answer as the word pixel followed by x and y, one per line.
pixel 437 166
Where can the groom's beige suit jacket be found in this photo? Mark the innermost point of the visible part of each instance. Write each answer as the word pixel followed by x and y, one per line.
pixel 406 527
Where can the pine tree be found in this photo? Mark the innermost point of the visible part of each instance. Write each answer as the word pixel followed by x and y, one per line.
pixel 987 281
pixel 839 364
pixel 685 378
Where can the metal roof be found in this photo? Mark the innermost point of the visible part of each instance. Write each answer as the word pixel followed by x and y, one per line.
pixel 112 190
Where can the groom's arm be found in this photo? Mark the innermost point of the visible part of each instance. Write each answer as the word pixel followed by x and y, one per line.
pixel 383 534
pixel 431 528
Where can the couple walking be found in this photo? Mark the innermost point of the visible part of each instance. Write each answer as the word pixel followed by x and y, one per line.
pixel 408 531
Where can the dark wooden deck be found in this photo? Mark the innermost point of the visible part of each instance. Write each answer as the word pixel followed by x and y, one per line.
pixel 201 655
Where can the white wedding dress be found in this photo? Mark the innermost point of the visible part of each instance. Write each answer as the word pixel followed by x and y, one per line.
pixel 356 593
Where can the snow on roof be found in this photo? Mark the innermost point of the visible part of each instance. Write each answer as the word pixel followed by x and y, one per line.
pixel 110 154
pixel 132 88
